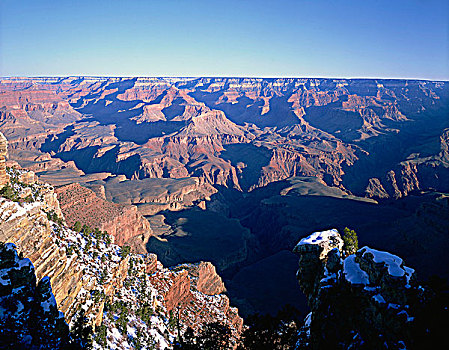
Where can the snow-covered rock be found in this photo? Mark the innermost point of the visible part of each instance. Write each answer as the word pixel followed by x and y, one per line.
pixel 130 299
pixel 367 300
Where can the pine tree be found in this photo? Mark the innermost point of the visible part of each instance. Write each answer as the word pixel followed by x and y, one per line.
pixel 351 243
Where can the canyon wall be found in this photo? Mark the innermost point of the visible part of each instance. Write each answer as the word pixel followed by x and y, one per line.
pixel 86 271
pixel 3 154
pixel 239 133
pixel 122 222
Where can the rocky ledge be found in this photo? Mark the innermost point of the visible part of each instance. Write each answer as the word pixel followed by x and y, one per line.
pixel 28 311
pixel 122 222
pixel 3 154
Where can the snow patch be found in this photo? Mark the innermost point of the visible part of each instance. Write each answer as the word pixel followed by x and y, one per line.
pixel 318 237
pixel 379 298
pixel 393 262
pixel 353 273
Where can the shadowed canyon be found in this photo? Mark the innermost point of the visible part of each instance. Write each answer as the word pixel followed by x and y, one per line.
pixel 235 171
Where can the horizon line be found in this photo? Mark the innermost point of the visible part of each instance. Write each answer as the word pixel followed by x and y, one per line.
pixel 220 76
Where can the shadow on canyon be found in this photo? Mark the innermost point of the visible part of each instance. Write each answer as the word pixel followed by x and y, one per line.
pixel 251 241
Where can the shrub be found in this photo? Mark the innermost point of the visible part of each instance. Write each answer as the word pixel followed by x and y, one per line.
pixel 125 251
pixel 100 335
pixel 77 226
pixel 8 192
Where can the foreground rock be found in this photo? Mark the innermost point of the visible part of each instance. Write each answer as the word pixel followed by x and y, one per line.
pixel 188 289
pixel 367 300
pixel 3 154
pixel 131 300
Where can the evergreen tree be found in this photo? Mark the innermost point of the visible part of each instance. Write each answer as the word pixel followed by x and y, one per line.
pixel 213 336
pixel 351 243
pixel 125 251
pixel 267 332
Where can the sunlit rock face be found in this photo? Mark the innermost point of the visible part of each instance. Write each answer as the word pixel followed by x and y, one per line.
pixel 4 178
pixel 122 222
pixel 80 270
pixel 367 300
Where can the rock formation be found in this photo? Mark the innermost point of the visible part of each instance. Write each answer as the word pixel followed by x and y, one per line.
pixel 153 195
pixel 206 279
pixel 122 222
pixel 28 228
pixel 85 271
pixel 3 154
pixel 186 288
pixel 239 133
pixel 367 300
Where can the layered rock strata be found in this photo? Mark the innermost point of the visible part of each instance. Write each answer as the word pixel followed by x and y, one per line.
pixel 122 222
pixel 29 315
pixel 187 291
pixel 236 132
pixel 4 178
pixel 86 272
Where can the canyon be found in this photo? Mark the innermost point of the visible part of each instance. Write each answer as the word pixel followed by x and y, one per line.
pixel 236 170
pixel 238 133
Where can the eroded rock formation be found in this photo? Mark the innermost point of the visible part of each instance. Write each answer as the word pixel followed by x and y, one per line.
pixel 188 288
pixel 4 178
pixel 366 300
pixel 236 132
pixel 122 222
pixel 85 271
pixel 30 317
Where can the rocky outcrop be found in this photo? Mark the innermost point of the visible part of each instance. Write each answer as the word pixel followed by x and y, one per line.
pixel 85 271
pixel 367 300
pixel 28 177
pixel 4 178
pixel 152 196
pixel 79 277
pixel 375 189
pixel 28 228
pixel 206 279
pixel 46 244
pixel 414 174
pixel 122 222
pixel 312 250
pixel 196 301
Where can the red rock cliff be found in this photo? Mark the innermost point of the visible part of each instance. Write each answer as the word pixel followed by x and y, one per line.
pixel 123 222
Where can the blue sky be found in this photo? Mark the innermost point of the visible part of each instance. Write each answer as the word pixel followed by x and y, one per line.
pixel 299 38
